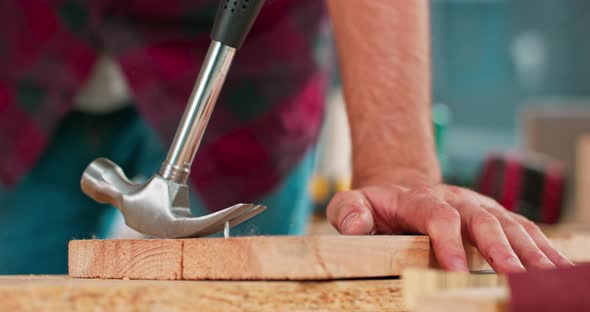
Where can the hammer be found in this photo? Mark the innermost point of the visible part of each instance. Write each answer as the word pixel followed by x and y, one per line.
pixel 160 207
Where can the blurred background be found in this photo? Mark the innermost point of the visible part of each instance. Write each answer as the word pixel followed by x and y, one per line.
pixel 511 114
pixel 511 105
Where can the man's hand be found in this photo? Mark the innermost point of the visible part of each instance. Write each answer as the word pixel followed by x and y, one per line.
pixel 384 50
pixel 448 214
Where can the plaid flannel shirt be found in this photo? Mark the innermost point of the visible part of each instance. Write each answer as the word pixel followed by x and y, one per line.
pixel 267 116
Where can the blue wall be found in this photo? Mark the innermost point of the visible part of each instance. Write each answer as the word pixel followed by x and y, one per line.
pixel 478 77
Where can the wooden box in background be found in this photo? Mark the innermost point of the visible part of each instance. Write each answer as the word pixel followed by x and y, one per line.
pixel 554 128
pixel 582 206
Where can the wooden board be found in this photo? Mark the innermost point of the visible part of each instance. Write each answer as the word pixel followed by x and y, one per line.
pixel 271 257
pixel 246 258
pixel 562 289
pixel 55 293
pixel 159 259
pixel 552 127
pixel 466 300
pixel 417 283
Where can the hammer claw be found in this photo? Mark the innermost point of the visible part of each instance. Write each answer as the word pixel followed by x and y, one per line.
pixel 236 215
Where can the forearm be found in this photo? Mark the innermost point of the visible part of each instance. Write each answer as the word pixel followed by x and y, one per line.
pixel 384 50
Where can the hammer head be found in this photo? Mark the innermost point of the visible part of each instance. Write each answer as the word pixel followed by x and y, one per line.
pixel 158 207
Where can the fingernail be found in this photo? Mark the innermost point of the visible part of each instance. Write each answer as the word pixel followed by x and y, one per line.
pixel 563 261
pixel 546 263
pixel 515 264
pixel 568 264
pixel 348 221
pixel 458 264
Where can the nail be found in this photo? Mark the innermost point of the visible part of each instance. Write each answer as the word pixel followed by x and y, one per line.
pixel 348 221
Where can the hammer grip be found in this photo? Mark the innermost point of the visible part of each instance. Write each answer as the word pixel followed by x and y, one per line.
pixel 234 20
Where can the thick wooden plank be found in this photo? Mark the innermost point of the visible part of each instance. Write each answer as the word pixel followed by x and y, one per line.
pixel 303 257
pixel 243 258
pixel 466 300
pixel 52 293
pixel 562 289
pixel 272 257
pixel 148 259
pixel 418 283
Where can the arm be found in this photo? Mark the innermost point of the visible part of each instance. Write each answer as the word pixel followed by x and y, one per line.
pixel 385 63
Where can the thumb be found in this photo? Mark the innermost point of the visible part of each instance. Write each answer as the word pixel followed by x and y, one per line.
pixel 351 213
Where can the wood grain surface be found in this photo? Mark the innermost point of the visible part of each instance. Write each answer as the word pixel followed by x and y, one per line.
pixel 418 283
pixel 60 293
pixel 466 300
pixel 250 258
pixel 272 257
pixel 159 259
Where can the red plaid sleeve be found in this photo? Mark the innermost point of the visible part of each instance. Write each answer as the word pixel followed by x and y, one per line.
pixel 268 114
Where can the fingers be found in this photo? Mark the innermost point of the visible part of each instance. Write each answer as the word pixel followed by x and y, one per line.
pixel 522 243
pixel 444 230
pixel 418 211
pixel 351 213
pixel 542 242
pixel 486 233
pixel 490 239
pixel 517 225
pixel 526 239
pixel 424 212
pixel 509 242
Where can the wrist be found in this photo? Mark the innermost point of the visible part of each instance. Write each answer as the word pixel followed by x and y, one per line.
pixel 406 176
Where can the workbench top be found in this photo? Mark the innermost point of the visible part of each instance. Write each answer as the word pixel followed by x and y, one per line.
pixel 61 293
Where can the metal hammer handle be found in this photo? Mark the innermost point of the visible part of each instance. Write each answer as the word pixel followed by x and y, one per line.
pixel 232 24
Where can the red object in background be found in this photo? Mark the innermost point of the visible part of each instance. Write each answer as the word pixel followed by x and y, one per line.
pixel 511 189
pixel 551 290
pixel 552 194
pixel 531 185
pixel 486 183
